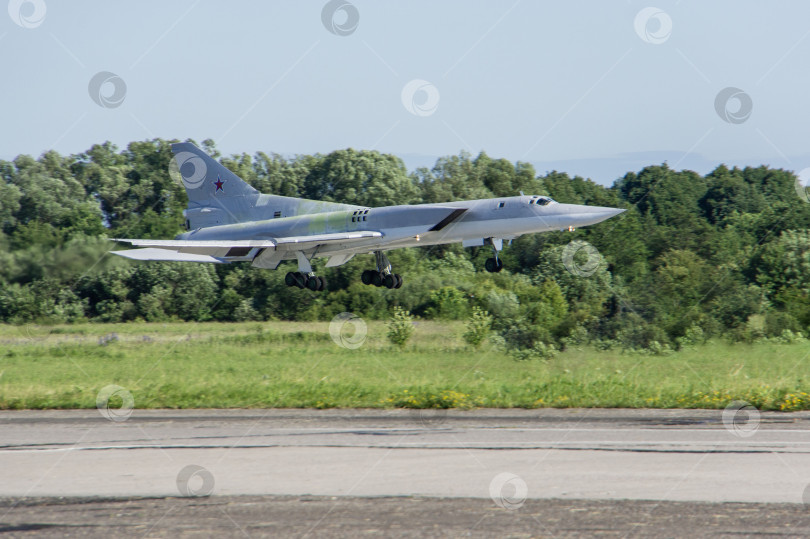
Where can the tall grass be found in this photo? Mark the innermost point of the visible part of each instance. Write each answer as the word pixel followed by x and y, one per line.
pixel 279 364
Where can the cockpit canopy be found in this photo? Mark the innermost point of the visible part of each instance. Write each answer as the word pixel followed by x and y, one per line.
pixel 541 201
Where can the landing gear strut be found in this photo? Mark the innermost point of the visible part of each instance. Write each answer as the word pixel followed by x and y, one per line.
pixel 382 276
pixel 494 264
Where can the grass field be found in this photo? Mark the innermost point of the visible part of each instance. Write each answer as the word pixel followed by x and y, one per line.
pixel 279 364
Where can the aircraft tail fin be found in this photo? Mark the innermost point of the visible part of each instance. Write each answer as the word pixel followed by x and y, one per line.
pixel 216 196
pixel 205 179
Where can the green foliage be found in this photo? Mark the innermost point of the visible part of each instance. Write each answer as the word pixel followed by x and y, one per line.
pixel 400 326
pixel 582 293
pixel 448 303
pixel 785 263
pixel 694 257
pixel 638 335
pixel 539 350
pixel 577 337
pixel 452 178
pixel 694 336
pixel 366 178
pixel 789 337
pixel 478 327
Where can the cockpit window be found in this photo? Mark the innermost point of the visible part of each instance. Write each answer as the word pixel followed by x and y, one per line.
pixel 541 201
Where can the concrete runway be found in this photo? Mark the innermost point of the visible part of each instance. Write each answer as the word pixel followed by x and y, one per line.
pixel 506 459
pixel 591 454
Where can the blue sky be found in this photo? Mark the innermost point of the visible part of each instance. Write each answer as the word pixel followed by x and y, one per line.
pixel 592 88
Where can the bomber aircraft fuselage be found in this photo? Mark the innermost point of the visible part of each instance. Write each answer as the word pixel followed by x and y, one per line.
pixel 229 221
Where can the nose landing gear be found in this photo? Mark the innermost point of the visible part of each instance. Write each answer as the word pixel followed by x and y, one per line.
pixel 494 264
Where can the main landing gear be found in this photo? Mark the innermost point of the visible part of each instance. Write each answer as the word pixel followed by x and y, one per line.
pixel 382 276
pixel 303 280
pixel 304 277
pixel 378 278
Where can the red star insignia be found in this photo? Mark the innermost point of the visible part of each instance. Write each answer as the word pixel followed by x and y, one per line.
pixel 219 184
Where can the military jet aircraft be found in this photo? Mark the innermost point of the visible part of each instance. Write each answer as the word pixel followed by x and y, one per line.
pixel 230 221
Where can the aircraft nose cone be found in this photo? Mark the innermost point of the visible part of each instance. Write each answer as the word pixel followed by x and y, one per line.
pixel 582 215
pixel 611 212
pixel 602 213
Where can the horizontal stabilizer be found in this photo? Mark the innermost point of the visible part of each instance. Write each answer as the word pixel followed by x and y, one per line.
pixel 165 255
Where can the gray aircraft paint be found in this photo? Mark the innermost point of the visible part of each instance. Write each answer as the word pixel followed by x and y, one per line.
pixel 231 221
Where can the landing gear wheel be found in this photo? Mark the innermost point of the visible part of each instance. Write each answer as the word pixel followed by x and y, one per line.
pixel 289 279
pixel 390 281
pixel 367 277
pixel 321 284
pixel 399 281
pixel 493 265
pixel 313 283
pixel 300 279
pixel 377 280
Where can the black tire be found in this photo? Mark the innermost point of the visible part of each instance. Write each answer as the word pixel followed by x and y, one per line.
pixel 499 265
pixel 390 281
pixel 490 265
pixel 399 281
pixel 321 284
pixel 289 279
pixel 312 283
pixel 377 279
pixel 367 277
pixel 300 279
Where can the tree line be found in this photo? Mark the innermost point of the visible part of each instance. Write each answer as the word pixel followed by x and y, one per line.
pixel 694 257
